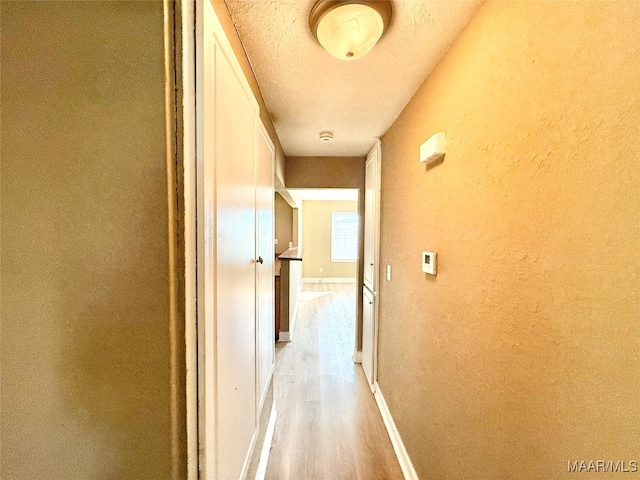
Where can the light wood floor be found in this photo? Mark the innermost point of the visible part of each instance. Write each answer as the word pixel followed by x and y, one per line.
pixel 328 425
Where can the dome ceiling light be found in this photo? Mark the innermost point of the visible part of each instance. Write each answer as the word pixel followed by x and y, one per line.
pixel 349 29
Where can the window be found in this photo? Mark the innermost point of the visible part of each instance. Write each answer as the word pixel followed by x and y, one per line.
pixel 344 236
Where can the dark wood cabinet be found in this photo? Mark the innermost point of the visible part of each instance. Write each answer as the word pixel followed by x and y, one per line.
pixel 277 302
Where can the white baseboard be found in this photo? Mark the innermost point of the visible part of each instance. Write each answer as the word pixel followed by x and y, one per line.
pixel 408 470
pixel 266 446
pixel 357 356
pixel 284 337
pixel 263 396
pixel 328 280
pixel 247 459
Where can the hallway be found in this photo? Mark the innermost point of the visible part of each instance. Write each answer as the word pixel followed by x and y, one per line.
pixel 328 424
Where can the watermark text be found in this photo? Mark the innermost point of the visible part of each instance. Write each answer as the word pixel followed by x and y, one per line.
pixel 602 466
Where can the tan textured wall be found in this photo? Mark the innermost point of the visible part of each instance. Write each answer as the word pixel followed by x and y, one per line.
pixel 284 223
pixel 84 309
pixel 523 353
pixel 316 238
pixel 325 172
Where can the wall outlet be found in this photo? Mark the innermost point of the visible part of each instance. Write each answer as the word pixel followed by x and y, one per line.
pixel 321 270
pixel 388 273
pixel 276 242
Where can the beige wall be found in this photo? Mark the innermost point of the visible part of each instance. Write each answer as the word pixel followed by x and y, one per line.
pixel 522 354
pixel 284 223
pixel 85 264
pixel 325 172
pixel 316 238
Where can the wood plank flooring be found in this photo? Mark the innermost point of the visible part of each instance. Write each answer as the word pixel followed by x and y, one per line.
pixel 328 424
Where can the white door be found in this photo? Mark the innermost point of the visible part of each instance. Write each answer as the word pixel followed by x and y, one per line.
pixel 227 125
pixel 371 218
pixel 265 255
pixel 371 267
pixel 235 257
pixel 368 336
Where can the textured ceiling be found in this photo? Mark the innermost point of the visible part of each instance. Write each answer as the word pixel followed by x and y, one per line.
pixel 308 91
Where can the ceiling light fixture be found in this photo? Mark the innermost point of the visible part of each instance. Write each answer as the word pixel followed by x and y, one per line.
pixel 349 29
pixel 326 137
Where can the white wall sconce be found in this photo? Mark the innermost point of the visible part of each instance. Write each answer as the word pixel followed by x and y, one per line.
pixel 433 149
pixel 349 29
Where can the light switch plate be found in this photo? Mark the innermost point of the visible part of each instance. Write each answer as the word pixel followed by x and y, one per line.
pixel 430 262
pixel 388 273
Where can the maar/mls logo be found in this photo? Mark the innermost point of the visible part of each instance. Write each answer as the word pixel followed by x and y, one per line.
pixel 602 466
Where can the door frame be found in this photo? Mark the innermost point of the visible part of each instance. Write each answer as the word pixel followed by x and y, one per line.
pixel 188 84
pixel 374 155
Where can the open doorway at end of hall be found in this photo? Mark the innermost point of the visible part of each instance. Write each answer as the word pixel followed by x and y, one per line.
pixel 323 226
pixel 328 420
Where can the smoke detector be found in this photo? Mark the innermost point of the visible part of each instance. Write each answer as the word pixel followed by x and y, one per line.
pixel 326 137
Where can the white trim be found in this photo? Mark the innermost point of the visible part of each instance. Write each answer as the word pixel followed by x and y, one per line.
pixel 357 356
pixel 284 337
pixel 247 460
pixel 406 465
pixel 266 390
pixel 206 347
pixel 328 280
pixel 187 55
pixel 266 445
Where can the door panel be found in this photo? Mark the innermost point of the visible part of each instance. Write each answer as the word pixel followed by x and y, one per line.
pixel 370 220
pixel 368 335
pixel 264 271
pixel 371 267
pixel 235 126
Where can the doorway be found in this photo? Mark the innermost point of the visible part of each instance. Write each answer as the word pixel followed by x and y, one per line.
pixel 327 420
pixel 327 225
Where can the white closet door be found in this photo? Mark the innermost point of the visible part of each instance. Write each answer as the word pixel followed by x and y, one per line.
pixel 368 336
pixel 371 267
pixel 371 218
pixel 236 294
pixel 227 289
pixel 265 321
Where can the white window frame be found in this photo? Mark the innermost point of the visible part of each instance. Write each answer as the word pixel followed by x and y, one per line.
pixel 334 257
